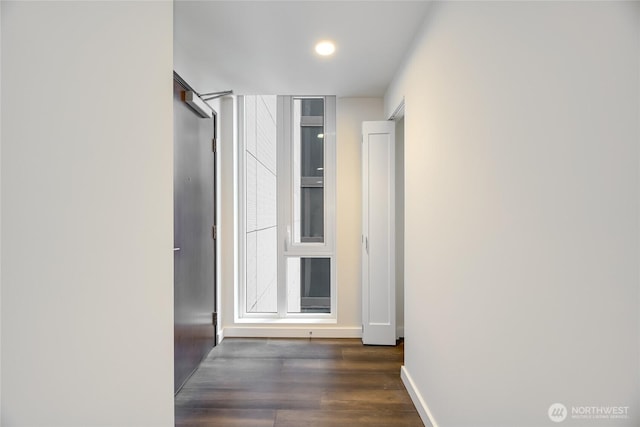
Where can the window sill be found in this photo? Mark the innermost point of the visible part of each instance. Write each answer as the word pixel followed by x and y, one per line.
pixel 287 321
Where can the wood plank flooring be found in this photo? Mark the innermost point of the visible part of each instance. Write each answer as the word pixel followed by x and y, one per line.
pixel 255 382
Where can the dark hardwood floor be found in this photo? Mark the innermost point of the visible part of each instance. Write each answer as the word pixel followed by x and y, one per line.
pixel 297 383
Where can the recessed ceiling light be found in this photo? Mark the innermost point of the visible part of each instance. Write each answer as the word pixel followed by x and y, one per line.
pixel 325 48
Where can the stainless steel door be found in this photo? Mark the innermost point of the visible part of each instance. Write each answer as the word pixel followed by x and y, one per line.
pixel 194 246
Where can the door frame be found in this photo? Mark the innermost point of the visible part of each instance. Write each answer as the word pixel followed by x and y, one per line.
pixel 396 116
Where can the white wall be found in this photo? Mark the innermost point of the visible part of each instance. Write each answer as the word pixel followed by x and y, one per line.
pixel 187 62
pixel 350 113
pixel 522 189
pixel 87 285
pixel 0 217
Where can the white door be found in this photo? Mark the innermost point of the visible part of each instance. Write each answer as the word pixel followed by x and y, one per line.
pixel 378 233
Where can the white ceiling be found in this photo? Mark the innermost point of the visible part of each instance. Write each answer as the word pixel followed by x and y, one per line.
pixel 266 47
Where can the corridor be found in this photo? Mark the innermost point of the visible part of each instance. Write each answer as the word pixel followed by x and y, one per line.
pixel 297 383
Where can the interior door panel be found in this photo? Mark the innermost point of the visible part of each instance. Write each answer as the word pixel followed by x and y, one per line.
pixel 194 246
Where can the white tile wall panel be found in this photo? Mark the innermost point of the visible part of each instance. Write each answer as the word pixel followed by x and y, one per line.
pixel 267 270
pixel 251 272
pixel 265 136
pixel 261 204
pixel 251 193
pixel 271 102
pixel 268 303
pixel 250 124
pixel 266 198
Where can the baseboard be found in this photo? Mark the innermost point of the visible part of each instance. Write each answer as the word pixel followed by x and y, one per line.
pixel 290 332
pixel 220 335
pixel 416 397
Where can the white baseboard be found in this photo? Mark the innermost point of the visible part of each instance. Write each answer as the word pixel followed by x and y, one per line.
pixel 416 397
pixel 290 332
pixel 220 335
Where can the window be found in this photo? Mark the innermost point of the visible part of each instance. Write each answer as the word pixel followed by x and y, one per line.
pixel 308 170
pixel 287 206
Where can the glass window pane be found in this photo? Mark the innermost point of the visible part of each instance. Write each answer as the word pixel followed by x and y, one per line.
pixel 308 285
pixel 312 212
pixel 312 107
pixel 308 171
pixel 312 151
